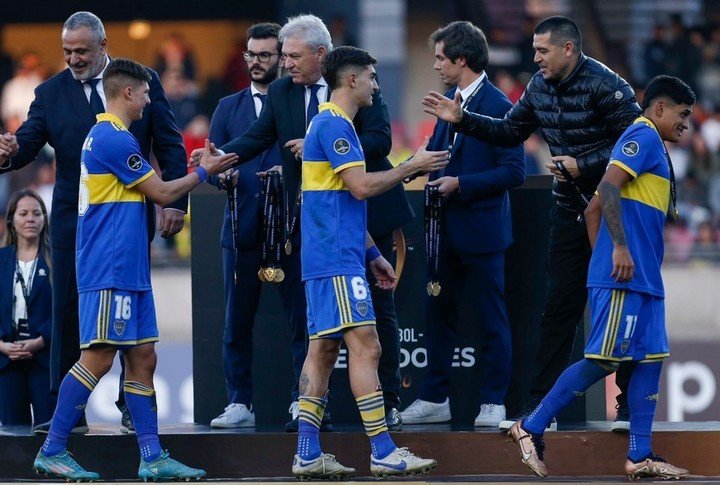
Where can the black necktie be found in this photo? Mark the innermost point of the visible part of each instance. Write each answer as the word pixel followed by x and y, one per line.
pixel 312 108
pixel 261 97
pixel 96 103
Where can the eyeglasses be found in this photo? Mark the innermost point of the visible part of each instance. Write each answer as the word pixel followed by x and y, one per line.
pixel 262 56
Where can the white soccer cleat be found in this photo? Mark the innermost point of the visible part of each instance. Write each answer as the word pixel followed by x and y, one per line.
pixel 324 467
pixel 401 462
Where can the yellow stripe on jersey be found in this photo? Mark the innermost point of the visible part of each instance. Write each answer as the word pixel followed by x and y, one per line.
pixel 321 176
pixel 649 189
pixel 624 167
pixel 106 188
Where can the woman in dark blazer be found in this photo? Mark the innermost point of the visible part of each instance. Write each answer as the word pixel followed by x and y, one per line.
pixel 25 313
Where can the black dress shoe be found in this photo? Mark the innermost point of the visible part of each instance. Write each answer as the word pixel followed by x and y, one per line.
pixel 81 427
pixel 126 422
pixel 326 425
pixel 393 419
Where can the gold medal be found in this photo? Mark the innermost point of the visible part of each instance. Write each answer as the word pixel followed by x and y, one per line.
pixel 433 288
pixel 270 274
pixel 261 274
pixel 279 275
pixel 676 213
pixel 288 247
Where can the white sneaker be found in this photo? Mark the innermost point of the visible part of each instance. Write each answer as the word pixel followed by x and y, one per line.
pixel 399 463
pixel 324 467
pixel 294 409
pixel 235 416
pixel 490 415
pixel 425 412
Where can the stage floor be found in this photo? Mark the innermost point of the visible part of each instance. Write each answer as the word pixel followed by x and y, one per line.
pixel 575 454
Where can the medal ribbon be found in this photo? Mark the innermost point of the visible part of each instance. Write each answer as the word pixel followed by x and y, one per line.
pixel 433 220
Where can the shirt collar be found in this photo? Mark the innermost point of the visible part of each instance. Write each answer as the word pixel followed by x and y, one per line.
pixel 335 108
pixel 112 119
pixel 254 90
pixel 319 82
pixel 465 93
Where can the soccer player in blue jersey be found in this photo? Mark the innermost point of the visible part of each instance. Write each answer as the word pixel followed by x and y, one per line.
pixel 627 300
pixel 335 249
pixel 116 305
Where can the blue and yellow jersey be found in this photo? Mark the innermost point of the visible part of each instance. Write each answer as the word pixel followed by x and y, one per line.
pixel 333 222
pixel 112 235
pixel 644 205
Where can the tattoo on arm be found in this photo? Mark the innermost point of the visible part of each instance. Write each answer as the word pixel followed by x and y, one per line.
pixel 610 202
pixel 303 384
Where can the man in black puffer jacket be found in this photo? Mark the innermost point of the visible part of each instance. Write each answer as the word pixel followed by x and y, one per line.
pixel 581 108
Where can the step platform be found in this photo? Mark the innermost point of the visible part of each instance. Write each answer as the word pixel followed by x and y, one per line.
pixel 590 451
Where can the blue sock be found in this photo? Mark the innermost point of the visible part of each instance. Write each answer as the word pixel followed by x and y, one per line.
pixel 74 392
pixel 642 399
pixel 141 403
pixel 571 383
pixel 382 445
pixel 309 420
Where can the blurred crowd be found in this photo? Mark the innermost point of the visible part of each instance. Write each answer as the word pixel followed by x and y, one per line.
pixel 691 52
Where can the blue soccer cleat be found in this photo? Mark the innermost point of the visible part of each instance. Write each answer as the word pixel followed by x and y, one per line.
pixel 165 468
pixel 64 466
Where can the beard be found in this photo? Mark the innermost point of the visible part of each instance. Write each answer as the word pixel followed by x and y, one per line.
pixel 266 76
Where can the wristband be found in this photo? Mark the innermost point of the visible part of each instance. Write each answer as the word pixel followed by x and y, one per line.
pixel 372 253
pixel 201 173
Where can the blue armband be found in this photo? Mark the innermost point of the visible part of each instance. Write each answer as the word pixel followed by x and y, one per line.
pixel 372 253
pixel 201 173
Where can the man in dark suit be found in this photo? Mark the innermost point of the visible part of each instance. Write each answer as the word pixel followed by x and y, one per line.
pixel 232 118
pixel 475 232
pixel 62 113
pixel 291 103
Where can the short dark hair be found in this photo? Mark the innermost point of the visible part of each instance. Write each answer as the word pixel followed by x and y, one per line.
pixel 265 30
pixel 463 39
pixel 120 72
pixel 670 87
pixel 337 62
pixel 562 30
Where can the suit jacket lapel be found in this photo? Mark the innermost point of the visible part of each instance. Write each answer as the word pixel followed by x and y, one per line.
pixel 247 107
pixel 7 271
pixel 78 101
pixel 473 107
pixel 42 273
pixel 297 109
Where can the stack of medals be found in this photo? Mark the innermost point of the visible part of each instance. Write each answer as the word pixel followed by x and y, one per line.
pixel 270 269
pixel 232 208
pixel 433 218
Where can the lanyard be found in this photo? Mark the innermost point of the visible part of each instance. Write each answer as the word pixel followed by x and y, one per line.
pixel 26 289
pixel 270 269
pixel 451 130
pixel 232 208
pixel 433 221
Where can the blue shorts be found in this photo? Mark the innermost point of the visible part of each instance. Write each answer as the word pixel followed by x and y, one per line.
pixel 337 303
pixel 626 325
pixel 117 317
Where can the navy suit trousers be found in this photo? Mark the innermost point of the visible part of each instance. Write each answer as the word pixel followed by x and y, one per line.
pixel 481 279
pixel 22 384
pixel 387 329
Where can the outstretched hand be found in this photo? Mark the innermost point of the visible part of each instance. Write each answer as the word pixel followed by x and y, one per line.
pixel 425 161
pixel 215 163
pixel 384 273
pixel 449 110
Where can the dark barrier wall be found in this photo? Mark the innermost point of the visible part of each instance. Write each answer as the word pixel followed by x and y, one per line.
pixel 525 292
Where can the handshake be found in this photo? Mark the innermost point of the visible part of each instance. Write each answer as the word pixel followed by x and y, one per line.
pixel 8 148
